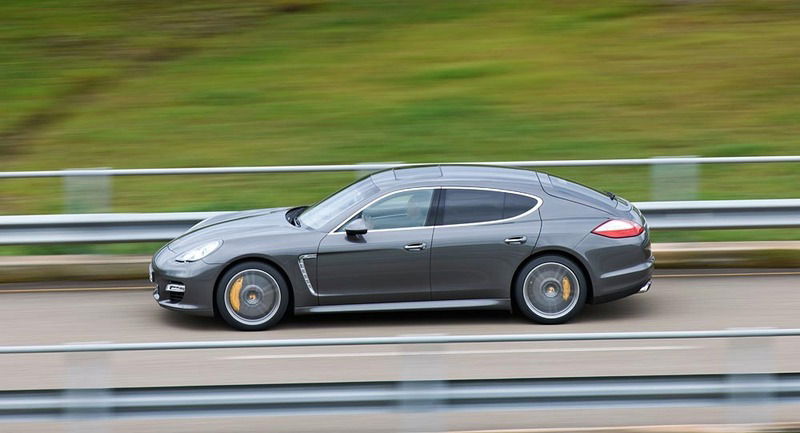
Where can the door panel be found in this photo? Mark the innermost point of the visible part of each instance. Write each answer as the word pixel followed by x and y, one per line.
pixel 375 267
pixel 391 262
pixel 474 261
pixel 481 237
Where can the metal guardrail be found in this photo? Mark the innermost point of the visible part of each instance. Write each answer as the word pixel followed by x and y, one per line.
pixel 371 167
pixel 408 396
pixel 96 228
pixel 721 214
pixel 146 227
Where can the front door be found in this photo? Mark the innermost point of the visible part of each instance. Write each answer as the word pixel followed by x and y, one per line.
pixel 390 263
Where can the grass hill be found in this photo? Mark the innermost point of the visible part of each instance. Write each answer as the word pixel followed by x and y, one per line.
pixel 125 84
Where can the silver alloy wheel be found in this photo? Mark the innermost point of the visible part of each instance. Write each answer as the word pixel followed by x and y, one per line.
pixel 252 297
pixel 551 290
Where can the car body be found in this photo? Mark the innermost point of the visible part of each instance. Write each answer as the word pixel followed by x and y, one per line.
pixel 414 238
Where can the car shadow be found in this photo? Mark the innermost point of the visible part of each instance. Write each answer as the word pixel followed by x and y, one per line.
pixel 190 321
pixel 394 318
pixel 630 308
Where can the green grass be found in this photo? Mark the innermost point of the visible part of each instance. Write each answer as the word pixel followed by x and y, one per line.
pixel 125 84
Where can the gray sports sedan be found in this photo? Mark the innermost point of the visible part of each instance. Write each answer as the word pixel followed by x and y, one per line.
pixel 415 238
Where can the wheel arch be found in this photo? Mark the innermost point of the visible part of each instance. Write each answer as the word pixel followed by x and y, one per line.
pixel 567 254
pixel 253 258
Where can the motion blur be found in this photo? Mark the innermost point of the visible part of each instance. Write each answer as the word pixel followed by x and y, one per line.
pixel 125 124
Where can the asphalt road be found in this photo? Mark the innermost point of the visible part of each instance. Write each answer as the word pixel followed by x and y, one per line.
pixel 676 302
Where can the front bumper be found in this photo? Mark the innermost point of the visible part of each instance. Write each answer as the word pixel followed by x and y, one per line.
pixel 196 278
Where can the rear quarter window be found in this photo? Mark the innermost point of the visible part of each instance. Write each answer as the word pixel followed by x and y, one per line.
pixel 516 205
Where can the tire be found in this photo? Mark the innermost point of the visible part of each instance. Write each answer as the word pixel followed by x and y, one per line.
pixel 252 296
pixel 550 290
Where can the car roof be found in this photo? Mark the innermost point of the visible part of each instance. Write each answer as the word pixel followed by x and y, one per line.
pixel 455 172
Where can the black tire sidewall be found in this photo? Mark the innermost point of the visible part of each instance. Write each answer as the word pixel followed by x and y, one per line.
pixel 519 283
pixel 219 297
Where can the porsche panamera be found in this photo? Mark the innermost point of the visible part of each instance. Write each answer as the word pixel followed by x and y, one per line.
pixel 413 238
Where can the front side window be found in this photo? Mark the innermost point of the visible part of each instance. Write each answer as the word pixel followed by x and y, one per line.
pixel 402 210
pixel 465 206
pixel 321 213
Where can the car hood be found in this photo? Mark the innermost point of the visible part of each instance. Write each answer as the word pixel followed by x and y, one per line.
pixel 234 224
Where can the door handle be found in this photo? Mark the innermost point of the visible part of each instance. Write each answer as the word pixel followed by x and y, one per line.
pixel 415 247
pixel 516 240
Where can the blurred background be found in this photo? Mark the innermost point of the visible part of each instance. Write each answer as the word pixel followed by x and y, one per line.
pixel 140 84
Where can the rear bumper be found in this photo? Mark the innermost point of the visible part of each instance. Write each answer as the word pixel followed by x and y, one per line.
pixel 624 282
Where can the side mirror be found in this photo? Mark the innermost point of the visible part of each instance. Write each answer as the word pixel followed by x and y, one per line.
pixel 356 227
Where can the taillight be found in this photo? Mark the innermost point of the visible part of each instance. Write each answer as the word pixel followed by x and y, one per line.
pixel 618 229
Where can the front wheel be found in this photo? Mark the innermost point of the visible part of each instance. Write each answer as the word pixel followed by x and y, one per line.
pixel 252 296
pixel 550 290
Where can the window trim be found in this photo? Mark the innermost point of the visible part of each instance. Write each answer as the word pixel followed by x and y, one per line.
pixel 438 205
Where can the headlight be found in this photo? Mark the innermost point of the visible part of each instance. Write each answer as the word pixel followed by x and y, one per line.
pixel 199 252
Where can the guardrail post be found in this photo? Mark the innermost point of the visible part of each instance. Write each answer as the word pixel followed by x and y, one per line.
pixel 86 396
pixel 422 380
pixel 84 194
pixel 750 382
pixel 671 182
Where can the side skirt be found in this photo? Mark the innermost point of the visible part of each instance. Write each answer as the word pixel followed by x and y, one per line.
pixel 458 304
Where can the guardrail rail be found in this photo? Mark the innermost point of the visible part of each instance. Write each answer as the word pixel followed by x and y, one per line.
pixel 382 166
pixel 385 396
pixel 145 227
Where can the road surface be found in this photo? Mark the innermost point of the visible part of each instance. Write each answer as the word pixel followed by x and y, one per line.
pixel 685 301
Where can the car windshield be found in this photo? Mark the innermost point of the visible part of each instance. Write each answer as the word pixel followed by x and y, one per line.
pixel 321 213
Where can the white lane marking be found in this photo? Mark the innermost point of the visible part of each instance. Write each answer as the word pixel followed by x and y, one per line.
pixel 457 352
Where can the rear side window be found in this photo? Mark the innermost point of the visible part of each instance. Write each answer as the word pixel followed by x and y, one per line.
pixel 464 206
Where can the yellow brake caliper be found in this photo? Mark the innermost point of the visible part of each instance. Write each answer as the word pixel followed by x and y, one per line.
pixel 566 287
pixel 234 294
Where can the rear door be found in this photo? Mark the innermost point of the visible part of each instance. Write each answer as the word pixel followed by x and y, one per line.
pixel 480 238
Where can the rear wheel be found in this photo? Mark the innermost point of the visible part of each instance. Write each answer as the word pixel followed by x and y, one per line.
pixel 252 296
pixel 550 290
